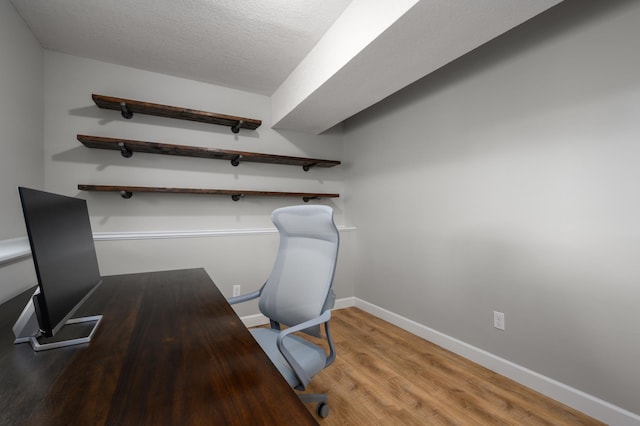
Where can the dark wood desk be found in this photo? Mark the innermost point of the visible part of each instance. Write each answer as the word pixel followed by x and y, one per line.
pixel 170 350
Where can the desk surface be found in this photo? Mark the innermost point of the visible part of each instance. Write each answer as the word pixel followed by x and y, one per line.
pixel 169 350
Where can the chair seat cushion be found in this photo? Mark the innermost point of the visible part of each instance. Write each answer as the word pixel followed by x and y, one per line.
pixel 311 357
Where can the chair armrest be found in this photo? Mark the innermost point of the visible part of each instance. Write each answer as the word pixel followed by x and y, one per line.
pixel 244 297
pixel 326 316
pixel 300 372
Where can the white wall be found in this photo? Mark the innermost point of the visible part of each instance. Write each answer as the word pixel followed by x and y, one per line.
pixel 508 181
pixel 244 259
pixel 21 135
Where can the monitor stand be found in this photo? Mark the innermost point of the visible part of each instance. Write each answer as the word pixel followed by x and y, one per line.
pixel 74 332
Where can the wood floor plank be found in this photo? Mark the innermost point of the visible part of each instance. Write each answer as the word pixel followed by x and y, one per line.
pixel 384 375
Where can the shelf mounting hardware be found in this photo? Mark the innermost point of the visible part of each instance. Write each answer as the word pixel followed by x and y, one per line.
pixel 125 111
pixel 236 128
pixel 307 167
pixel 126 194
pixel 236 161
pixel 126 152
pixel 236 197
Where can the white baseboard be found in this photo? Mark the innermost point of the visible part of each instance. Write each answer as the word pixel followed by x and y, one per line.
pixel 347 302
pixel 581 401
pixel 254 320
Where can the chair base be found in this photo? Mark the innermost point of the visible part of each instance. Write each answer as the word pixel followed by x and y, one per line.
pixel 322 409
pixel 310 398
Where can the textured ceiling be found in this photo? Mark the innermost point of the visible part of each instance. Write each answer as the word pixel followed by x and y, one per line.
pixel 251 45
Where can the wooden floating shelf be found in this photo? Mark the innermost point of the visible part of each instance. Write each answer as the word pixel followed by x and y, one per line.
pixel 127 147
pixel 127 192
pixel 129 106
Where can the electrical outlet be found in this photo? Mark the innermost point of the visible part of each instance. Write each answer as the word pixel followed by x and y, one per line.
pixel 498 320
pixel 236 290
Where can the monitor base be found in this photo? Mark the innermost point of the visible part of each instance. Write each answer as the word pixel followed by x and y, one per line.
pixel 75 332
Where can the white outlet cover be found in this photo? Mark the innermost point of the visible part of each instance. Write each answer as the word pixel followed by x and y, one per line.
pixel 498 320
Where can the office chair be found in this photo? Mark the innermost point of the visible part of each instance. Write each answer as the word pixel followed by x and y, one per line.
pixel 299 294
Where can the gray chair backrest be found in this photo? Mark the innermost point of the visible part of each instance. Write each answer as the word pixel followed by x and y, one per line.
pixel 299 287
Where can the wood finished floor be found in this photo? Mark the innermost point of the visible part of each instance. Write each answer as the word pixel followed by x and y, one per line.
pixel 384 375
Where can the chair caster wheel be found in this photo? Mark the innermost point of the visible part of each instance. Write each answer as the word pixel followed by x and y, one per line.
pixel 322 409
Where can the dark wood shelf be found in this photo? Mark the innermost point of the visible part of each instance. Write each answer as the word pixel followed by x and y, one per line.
pixel 129 106
pixel 127 192
pixel 127 147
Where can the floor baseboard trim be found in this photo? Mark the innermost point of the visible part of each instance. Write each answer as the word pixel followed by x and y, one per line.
pixel 577 399
pixel 254 320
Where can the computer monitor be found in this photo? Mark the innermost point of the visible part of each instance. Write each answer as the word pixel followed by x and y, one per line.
pixel 66 267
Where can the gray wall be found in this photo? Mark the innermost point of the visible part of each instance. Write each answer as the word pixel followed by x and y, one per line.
pixel 508 180
pixel 21 135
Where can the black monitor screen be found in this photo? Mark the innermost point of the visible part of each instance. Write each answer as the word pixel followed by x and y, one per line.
pixel 63 254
